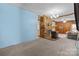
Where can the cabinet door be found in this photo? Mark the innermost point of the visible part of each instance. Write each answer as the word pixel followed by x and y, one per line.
pixel 59 27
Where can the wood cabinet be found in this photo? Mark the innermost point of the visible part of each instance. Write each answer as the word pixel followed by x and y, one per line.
pixel 44 26
pixel 63 27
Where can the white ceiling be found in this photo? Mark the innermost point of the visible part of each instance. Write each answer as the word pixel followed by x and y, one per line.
pixel 48 8
pixel 43 8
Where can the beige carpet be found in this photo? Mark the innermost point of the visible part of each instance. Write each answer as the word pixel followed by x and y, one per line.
pixel 42 47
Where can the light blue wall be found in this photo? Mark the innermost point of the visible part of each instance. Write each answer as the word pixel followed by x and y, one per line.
pixel 28 25
pixel 16 25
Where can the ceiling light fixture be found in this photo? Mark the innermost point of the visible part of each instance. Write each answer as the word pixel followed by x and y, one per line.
pixel 55 12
